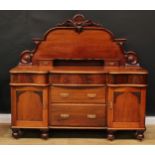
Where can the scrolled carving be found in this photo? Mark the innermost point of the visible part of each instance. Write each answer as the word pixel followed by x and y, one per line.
pixel 78 22
pixel 26 57
pixel 131 59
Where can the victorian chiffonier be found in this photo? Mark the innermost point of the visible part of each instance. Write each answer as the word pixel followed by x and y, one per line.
pixel 78 77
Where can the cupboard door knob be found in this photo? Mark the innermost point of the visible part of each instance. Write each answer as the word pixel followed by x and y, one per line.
pixel 64 94
pixel 91 95
pixel 91 116
pixel 64 116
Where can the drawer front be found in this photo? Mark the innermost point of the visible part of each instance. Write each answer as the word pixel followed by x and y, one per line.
pixel 78 94
pixel 81 115
pixel 77 78
pixel 128 79
pixel 29 78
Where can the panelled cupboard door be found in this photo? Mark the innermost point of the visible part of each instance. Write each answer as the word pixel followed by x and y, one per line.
pixel 29 106
pixel 126 107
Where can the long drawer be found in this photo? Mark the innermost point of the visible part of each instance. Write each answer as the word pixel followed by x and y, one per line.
pixel 77 94
pixel 71 78
pixel 81 115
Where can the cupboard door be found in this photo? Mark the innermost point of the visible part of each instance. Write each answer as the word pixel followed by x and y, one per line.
pixel 29 106
pixel 126 107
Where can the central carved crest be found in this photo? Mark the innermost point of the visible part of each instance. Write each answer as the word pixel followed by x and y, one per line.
pixel 79 22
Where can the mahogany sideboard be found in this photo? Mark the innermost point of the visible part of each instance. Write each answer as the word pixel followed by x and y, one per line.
pixel 78 77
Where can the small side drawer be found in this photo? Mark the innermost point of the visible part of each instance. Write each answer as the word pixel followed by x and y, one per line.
pixel 127 79
pixel 77 94
pixel 82 115
pixel 87 78
pixel 29 78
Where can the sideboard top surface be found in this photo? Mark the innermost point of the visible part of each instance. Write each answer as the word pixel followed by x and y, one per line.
pixel 73 69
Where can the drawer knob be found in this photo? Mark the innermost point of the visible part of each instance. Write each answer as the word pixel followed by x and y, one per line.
pixel 91 95
pixel 64 94
pixel 91 116
pixel 64 116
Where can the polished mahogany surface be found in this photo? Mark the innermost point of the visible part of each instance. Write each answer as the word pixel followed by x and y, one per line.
pixel 78 76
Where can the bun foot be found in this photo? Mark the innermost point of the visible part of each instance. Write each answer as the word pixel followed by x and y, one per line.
pixel 44 134
pixel 16 133
pixel 140 135
pixel 110 135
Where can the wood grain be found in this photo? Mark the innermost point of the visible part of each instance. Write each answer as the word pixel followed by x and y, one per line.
pixel 79 76
pixel 77 94
pixel 78 115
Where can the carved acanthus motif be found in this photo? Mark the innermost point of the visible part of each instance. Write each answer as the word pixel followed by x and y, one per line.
pixel 131 59
pixel 26 57
pixel 78 22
